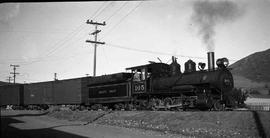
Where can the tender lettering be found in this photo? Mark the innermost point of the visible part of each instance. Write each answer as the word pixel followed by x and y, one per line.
pixel 102 92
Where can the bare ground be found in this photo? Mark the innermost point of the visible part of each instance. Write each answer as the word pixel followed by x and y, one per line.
pixel 197 124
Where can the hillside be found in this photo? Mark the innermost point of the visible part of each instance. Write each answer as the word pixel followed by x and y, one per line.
pixel 253 71
pixel 255 67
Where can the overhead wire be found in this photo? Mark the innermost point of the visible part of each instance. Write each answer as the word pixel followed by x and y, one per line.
pixel 116 11
pixel 31 31
pixel 99 11
pixel 59 44
pixel 72 34
pixel 122 19
pixel 155 52
pixel 148 51
pixel 102 10
pixel 107 19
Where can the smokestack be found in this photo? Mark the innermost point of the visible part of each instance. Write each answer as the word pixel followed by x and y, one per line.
pixel 211 60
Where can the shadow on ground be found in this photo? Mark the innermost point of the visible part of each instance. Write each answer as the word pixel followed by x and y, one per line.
pixel 20 115
pixel 8 131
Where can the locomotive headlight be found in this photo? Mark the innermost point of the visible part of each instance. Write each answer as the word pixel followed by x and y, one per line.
pixel 225 62
pixel 222 62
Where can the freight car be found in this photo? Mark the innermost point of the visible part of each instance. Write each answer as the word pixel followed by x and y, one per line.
pixel 64 92
pixel 12 95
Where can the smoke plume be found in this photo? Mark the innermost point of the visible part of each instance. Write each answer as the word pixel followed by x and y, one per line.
pixel 207 14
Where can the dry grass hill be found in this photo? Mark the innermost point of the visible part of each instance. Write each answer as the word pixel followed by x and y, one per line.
pixel 253 72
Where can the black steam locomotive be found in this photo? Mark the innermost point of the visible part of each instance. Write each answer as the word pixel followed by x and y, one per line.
pixel 152 86
pixel 163 86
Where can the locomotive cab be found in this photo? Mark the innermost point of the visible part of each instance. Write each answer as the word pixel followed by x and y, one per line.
pixel 143 76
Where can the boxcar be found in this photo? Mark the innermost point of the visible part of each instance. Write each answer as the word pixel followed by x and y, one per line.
pixel 54 92
pixel 11 94
pixel 67 91
pixel 38 93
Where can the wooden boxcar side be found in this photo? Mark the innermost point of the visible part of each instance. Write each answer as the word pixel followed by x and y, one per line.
pixel 67 91
pixel 38 93
pixel 12 94
pixel 54 92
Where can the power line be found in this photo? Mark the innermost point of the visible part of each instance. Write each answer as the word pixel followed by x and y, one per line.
pixel 78 28
pixel 97 10
pixel 148 51
pixel 60 44
pixel 31 31
pixel 155 52
pixel 122 19
pixel 114 13
pixel 101 11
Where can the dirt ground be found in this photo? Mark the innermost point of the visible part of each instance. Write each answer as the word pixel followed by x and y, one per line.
pixel 35 124
pixel 167 123
pixel 196 124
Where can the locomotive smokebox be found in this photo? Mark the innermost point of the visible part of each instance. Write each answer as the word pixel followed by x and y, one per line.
pixel 211 60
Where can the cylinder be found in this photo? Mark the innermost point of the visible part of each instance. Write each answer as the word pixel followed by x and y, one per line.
pixel 211 60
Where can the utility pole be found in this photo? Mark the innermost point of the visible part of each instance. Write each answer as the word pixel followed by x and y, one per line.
pixel 95 33
pixel 14 72
pixel 9 79
pixel 55 77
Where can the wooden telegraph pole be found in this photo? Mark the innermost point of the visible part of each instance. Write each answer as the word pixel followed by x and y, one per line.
pixel 14 72
pixel 9 79
pixel 95 33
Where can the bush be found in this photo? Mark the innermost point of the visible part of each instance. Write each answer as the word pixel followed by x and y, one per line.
pixel 54 109
pixel 254 92
pixel 237 97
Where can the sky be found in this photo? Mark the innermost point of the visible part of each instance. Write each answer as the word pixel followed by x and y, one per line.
pixel 47 38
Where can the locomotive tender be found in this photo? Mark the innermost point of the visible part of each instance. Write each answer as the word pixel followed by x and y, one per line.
pixel 151 86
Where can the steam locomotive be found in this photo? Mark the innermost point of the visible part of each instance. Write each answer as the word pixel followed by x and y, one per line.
pixel 152 86
pixel 163 86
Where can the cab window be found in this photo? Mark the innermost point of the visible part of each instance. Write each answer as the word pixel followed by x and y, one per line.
pixel 139 75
